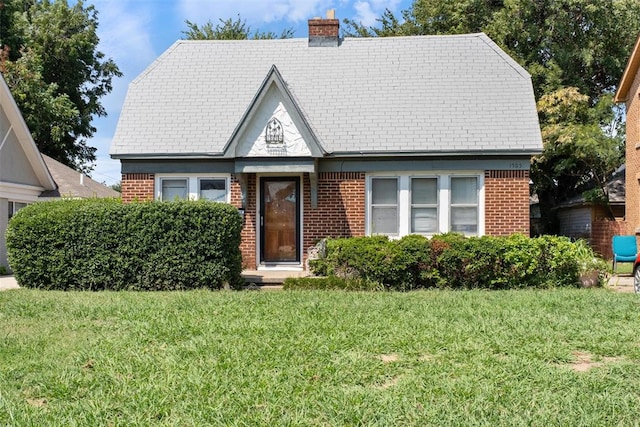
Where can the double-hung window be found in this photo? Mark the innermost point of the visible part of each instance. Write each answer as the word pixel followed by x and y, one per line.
pixel 424 205
pixel 384 206
pixel 193 187
pixel 406 203
pixel 464 205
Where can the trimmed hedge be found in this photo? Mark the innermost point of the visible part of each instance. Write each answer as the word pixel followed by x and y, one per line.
pixel 103 244
pixel 457 262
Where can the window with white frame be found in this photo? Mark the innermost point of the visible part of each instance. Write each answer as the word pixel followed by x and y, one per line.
pixel 424 204
pixel 15 207
pixel 384 206
pixel 213 189
pixel 193 187
pixel 464 205
pixel 174 189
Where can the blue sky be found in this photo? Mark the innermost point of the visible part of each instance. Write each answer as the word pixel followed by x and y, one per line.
pixel 135 32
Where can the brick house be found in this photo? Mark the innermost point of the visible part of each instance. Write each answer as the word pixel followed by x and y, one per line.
pixel 326 136
pixel 629 93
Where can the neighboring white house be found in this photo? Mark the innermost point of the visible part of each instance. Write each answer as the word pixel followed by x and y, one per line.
pixel 23 173
pixel 26 176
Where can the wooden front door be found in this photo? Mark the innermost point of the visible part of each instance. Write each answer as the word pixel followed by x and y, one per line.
pixel 279 219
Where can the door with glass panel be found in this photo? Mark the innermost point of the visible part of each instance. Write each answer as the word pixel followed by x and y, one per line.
pixel 279 219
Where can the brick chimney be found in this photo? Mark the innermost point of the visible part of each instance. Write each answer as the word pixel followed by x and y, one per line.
pixel 324 32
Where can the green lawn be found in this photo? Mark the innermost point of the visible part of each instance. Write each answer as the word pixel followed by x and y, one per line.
pixel 558 357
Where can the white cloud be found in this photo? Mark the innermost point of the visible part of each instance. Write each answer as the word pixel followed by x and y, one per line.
pixel 252 11
pixel 367 12
pixel 365 15
pixel 125 32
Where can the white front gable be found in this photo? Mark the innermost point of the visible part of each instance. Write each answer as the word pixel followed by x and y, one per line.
pixel 272 113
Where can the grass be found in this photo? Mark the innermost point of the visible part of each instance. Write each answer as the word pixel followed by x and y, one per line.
pixel 624 268
pixel 559 357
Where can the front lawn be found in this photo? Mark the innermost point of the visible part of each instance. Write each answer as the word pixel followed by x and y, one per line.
pixel 555 357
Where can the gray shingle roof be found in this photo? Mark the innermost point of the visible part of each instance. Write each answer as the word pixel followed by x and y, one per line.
pixel 73 184
pixel 425 94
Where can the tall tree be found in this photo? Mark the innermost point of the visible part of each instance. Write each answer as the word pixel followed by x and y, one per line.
pixel 580 150
pixel 230 29
pixel 575 51
pixel 54 47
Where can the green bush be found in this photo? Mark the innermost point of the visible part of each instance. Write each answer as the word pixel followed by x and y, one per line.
pixel 457 262
pixel 102 244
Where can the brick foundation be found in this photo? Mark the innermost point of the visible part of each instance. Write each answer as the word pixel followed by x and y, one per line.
pixel 506 202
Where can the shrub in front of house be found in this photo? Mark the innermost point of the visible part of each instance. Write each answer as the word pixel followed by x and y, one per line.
pixel 103 244
pixel 453 261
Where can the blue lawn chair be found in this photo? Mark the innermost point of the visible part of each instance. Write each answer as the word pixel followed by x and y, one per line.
pixel 625 249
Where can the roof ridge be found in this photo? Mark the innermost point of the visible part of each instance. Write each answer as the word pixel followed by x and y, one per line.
pixel 157 62
pixel 507 58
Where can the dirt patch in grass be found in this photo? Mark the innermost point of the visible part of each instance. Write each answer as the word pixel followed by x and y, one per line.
pixel 389 358
pixel 37 403
pixel 584 362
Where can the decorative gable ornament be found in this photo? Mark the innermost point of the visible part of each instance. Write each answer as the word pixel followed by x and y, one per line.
pixel 274 132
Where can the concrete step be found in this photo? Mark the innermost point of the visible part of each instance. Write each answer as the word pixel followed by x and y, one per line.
pixel 270 277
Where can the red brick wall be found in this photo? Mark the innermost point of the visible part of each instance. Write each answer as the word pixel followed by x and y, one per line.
pixel 137 186
pixel 249 230
pixel 340 211
pixel 602 232
pixel 632 154
pixel 506 202
pixel 341 207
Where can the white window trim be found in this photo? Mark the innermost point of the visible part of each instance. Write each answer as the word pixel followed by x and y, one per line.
pixel 437 206
pixel 193 183
pixel 399 213
pixel 480 187
pixel 444 198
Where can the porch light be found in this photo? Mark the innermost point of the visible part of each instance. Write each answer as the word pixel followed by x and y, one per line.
pixel 274 133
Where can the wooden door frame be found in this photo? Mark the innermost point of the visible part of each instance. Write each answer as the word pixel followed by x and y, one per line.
pixel 261 179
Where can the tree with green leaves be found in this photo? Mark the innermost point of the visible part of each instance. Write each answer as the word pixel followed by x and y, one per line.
pixel 56 74
pixel 581 151
pixel 230 29
pixel 575 51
